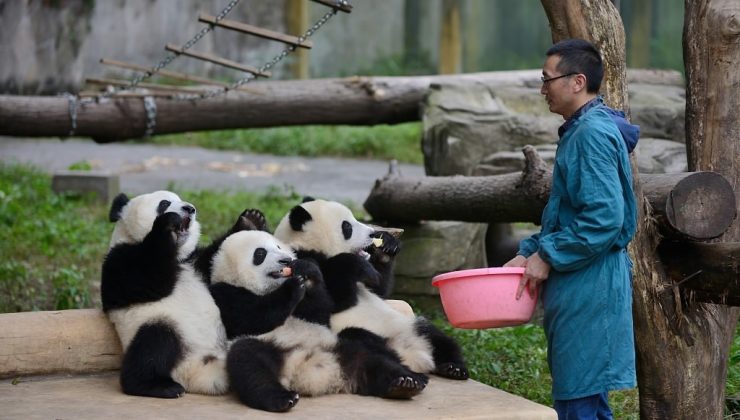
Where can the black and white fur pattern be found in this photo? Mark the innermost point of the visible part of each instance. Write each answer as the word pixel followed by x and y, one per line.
pixel 283 346
pixel 357 274
pixel 165 317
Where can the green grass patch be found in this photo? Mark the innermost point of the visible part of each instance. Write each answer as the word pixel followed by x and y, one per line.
pixel 401 142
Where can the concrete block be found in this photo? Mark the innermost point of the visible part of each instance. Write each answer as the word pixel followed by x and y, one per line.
pixel 105 185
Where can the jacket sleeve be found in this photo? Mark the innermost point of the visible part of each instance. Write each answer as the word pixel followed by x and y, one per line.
pixel 595 191
pixel 529 246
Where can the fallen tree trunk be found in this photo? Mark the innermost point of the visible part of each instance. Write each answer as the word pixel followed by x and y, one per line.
pixel 697 206
pixel 353 101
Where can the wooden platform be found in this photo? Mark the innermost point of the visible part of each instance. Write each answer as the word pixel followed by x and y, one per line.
pixel 62 364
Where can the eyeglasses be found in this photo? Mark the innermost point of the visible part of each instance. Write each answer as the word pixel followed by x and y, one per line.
pixel 544 81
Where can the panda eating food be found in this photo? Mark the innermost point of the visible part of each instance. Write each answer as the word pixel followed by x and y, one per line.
pixel 358 274
pixel 276 309
pixel 169 326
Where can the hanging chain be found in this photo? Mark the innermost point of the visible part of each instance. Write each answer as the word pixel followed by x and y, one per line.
pixel 284 53
pixel 150 104
pixel 151 115
pixel 171 57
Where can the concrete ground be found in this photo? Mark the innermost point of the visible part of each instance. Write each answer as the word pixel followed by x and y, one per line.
pixel 144 168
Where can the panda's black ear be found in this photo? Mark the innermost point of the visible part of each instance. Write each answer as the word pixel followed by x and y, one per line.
pixel 298 217
pixel 307 198
pixel 116 207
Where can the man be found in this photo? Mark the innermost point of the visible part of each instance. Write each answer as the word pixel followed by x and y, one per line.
pixel 579 256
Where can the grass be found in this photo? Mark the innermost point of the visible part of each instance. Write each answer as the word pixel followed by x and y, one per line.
pixel 401 142
pixel 53 246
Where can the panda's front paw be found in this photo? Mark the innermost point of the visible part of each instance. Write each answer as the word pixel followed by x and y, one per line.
pixel 296 288
pixel 280 401
pixel 307 271
pixel 167 223
pixel 369 276
pixel 388 244
pixel 250 219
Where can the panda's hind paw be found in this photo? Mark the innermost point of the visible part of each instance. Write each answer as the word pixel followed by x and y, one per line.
pixel 251 219
pixel 282 401
pixel 452 371
pixel 405 387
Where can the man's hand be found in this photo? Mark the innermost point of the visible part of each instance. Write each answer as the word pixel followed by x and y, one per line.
pixel 518 261
pixel 535 272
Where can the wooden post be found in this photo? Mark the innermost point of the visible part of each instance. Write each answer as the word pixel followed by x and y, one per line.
pixel 449 40
pixel 296 21
pixel 639 43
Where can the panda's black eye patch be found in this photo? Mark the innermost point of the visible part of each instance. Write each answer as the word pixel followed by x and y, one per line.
pixel 346 230
pixel 163 205
pixel 259 256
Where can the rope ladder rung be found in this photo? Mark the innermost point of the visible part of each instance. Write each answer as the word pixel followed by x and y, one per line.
pixel 339 5
pixel 217 60
pixel 255 30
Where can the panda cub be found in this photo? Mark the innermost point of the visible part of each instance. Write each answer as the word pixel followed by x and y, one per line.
pixel 357 275
pixel 169 326
pixel 277 310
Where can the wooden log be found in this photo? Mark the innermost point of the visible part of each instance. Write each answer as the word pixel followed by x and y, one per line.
pixel 697 206
pixel 72 341
pixel 709 271
pixel 352 101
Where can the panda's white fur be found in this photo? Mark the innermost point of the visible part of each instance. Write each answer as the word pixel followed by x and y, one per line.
pixel 310 365
pixel 324 233
pixel 189 309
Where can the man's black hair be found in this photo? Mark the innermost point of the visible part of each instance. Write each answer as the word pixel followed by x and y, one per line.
pixel 580 56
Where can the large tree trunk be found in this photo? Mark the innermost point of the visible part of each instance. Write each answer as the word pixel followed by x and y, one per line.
pixel 682 346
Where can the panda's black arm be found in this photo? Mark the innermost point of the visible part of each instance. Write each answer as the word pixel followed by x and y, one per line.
pixel 143 272
pixel 382 259
pixel 243 312
pixel 342 272
pixel 202 257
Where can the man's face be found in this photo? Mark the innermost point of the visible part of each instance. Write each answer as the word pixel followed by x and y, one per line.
pixel 558 93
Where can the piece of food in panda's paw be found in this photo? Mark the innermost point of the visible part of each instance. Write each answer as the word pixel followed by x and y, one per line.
pixel 378 242
pixel 286 272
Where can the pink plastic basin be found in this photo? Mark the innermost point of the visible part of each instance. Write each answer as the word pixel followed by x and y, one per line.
pixel 484 297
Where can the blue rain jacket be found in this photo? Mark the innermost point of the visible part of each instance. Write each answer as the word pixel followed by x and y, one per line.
pixel 589 219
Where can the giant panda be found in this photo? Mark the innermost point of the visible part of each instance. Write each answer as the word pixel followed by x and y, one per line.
pixel 357 275
pixel 276 309
pixel 169 326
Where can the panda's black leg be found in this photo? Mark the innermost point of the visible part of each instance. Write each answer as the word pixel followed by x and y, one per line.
pixel 254 368
pixel 447 355
pixel 148 361
pixel 374 369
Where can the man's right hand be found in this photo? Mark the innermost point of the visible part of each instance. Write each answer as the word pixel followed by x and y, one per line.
pixel 518 261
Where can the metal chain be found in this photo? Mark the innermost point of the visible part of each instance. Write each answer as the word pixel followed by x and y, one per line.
pixel 72 105
pixel 151 115
pixel 284 53
pixel 171 57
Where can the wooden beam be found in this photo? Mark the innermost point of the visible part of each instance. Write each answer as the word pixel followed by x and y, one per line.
pixel 217 60
pixel 345 7
pixel 153 86
pixel 168 73
pixel 254 30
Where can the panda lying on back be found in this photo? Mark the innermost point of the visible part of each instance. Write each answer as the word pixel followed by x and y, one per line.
pixel 327 232
pixel 170 328
pixel 277 310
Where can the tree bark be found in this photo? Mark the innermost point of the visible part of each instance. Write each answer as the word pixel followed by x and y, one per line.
pixel 353 100
pixel 682 346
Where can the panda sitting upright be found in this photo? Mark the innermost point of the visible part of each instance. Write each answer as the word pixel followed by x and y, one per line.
pixel 277 310
pixel 357 275
pixel 165 317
